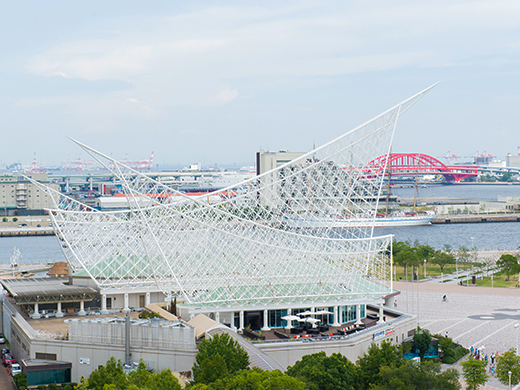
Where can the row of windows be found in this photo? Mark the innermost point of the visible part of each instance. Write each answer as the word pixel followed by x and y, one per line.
pixel 346 314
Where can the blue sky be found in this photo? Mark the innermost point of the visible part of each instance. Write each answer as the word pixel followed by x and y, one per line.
pixel 197 81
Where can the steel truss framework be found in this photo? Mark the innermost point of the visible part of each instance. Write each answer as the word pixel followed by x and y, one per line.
pixel 242 250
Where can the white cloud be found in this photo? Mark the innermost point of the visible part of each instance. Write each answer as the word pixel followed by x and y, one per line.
pixel 227 95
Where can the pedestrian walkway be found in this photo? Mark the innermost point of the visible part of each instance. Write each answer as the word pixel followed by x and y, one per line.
pixel 482 317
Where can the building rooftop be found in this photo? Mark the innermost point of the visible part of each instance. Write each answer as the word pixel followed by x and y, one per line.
pixel 46 290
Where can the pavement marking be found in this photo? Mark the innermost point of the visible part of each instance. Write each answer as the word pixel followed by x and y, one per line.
pixel 452 325
pixel 495 332
pixel 471 330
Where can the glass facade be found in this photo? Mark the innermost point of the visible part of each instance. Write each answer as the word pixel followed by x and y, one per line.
pixel 44 377
pixel 274 318
pixel 348 313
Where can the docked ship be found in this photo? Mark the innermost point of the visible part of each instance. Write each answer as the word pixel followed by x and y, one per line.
pixel 406 219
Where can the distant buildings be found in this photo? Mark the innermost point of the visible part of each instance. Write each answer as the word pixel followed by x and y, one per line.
pixel 19 196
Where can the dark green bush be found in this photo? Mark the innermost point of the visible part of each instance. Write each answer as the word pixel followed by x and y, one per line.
pixel 20 380
pixel 42 387
pixel 52 386
pixel 67 387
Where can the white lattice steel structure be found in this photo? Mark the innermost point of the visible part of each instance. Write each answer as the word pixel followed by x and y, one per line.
pixel 239 247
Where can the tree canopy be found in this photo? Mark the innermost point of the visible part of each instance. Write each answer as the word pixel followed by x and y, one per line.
pixel 375 358
pixel 219 352
pixel 111 376
pixel 508 361
pixel 422 341
pixel 508 263
pixel 425 375
pixel 474 373
pixel 442 258
pixel 322 372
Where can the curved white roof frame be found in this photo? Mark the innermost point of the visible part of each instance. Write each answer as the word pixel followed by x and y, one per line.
pixel 266 241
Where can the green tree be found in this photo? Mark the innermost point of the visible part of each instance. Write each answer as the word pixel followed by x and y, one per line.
pixel 163 380
pixel 234 356
pixel 508 263
pixel 407 257
pixel 322 372
pixel 425 376
pixel 442 259
pixel 424 251
pixel 264 380
pixel 463 255
pixel 506 176
pixel 140 376
pixel 370 364
pixel 474 373
pixel 111 373
pixel 422 341
pixel 212 369
pixel 506 362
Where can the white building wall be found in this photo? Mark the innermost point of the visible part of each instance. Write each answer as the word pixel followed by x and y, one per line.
pixel 167 347
pixel 288 353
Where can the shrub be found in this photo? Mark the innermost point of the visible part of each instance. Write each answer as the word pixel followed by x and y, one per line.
pixel 15 219
pixel 20 380
pixel 67 387
pixel 42 387
pixel 4 219
pixel 52 386
pixel 452 352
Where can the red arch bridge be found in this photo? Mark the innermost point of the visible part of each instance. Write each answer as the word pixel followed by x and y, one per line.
pixel 408 164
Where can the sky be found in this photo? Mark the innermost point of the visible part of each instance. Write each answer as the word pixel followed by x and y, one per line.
pixel 214 82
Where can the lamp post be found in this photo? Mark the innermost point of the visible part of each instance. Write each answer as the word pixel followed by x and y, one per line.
pixel 509 373
pixel 424 268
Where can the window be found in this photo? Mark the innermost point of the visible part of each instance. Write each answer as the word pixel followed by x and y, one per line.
pixel 275 318
pixel 46 356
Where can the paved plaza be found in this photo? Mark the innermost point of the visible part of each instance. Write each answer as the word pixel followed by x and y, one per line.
pixel 472 316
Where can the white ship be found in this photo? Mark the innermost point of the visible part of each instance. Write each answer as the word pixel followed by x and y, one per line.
pixel 345 223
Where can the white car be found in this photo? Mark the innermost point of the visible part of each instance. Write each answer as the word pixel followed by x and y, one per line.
pixel 2 338
pixel 15 369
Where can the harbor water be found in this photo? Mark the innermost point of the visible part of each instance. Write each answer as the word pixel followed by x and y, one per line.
pixel 486 236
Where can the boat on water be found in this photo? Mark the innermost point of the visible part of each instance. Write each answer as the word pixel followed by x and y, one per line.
pixel 345 223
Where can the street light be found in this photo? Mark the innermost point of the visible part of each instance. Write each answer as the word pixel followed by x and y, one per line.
pixel 424 268
pixel 509 373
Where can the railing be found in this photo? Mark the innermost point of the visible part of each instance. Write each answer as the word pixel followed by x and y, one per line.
pixel 352 336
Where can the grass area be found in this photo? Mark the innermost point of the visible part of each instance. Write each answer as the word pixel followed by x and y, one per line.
pixel 431 270
pixel 499 280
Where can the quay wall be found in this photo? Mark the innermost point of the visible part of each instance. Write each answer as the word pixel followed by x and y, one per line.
pixel 476 218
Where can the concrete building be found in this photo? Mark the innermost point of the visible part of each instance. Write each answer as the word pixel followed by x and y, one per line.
pixel 19 196
pixel 512 161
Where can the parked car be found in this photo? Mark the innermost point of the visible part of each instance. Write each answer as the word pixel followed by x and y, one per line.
pixel 22 225
pixel 2 338
pixel 14 369
pixel 4 351
pixel 8 359
pixel 39 225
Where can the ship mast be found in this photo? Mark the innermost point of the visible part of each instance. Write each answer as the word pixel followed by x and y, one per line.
pixel 388 186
